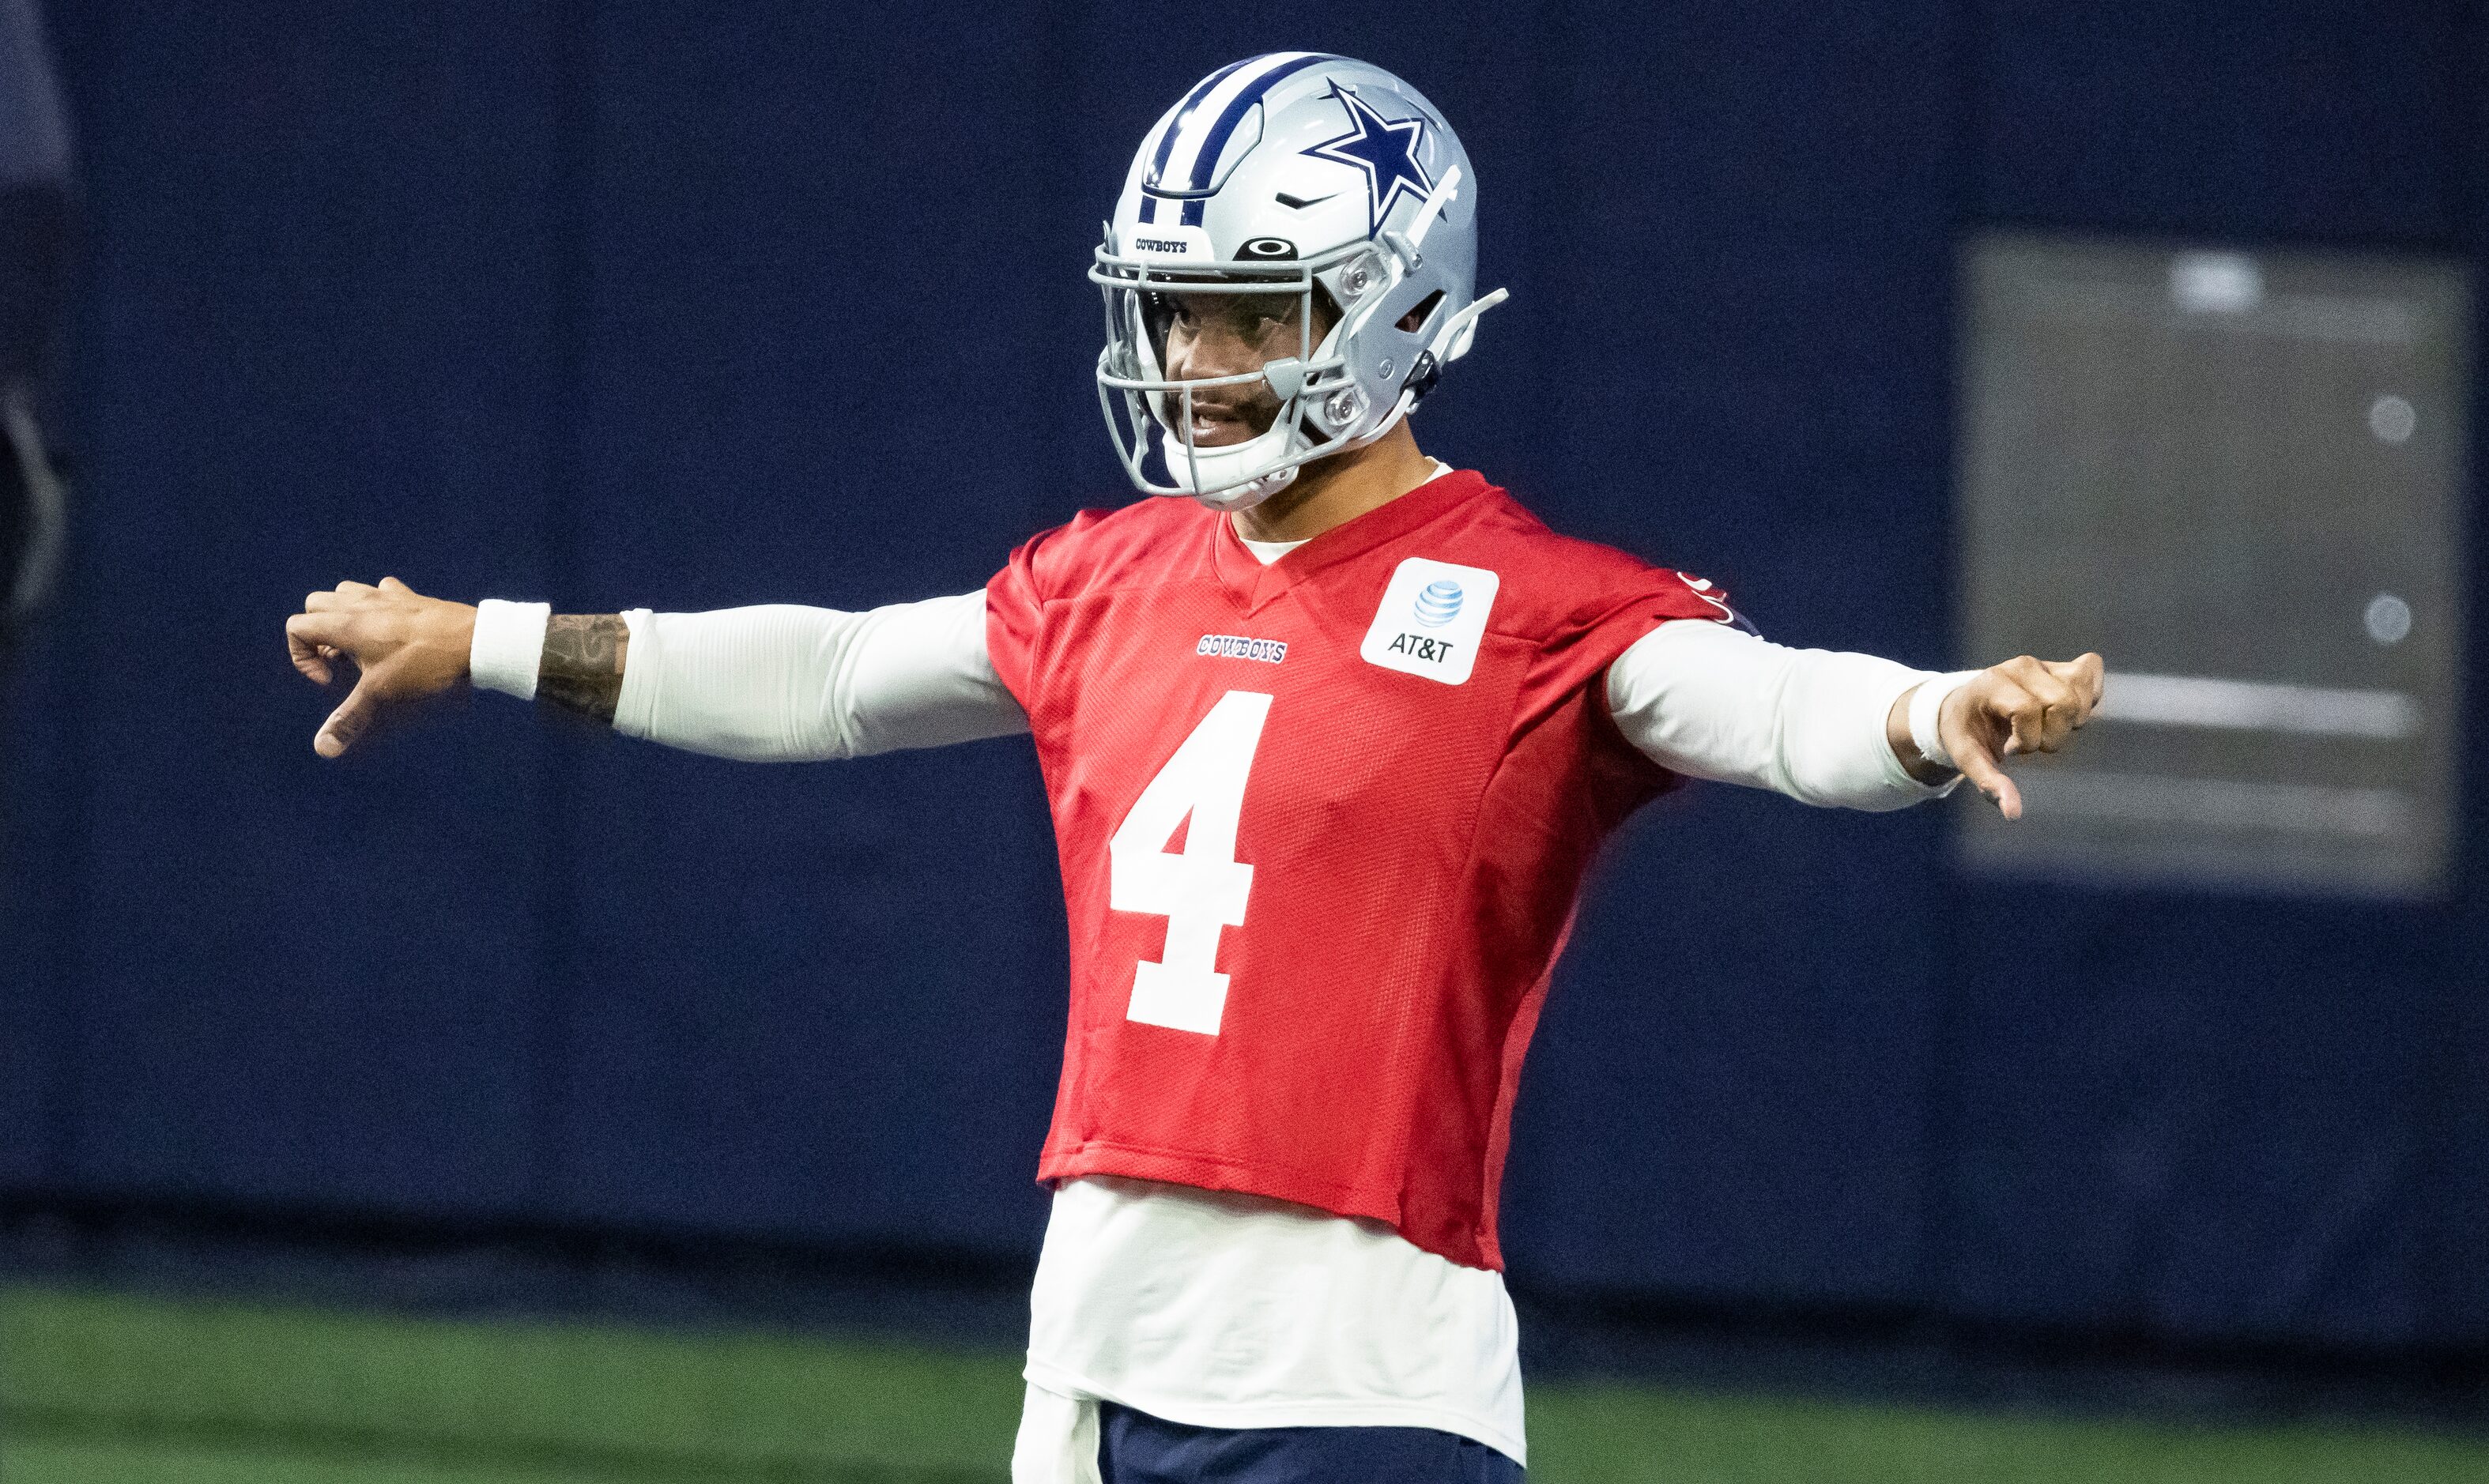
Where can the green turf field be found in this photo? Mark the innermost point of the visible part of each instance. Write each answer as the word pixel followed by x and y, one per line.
pixel 116 1389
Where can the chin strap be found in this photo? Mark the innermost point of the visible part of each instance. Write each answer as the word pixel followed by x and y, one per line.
pixel 1209 468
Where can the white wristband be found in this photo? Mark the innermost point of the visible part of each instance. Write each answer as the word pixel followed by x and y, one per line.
pixel 508 647
pixel 1925 704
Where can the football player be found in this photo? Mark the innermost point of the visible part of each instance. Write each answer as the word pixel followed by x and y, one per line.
pixel 1330 733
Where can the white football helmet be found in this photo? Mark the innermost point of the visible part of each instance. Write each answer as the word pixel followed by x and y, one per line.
pixel 1293 172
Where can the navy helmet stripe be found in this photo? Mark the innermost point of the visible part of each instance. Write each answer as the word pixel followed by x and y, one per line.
pixel 1175 123
pixel 1175 126
pixel 1206 159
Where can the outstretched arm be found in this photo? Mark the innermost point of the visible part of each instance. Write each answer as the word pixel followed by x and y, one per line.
pixel 1713 701
pixel 778 682
pixel 782 683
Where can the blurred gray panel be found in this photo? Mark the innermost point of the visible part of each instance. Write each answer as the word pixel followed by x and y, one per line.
pixel 2239 478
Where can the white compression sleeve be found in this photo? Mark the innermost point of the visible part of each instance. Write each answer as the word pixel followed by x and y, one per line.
pixel 1713 701
pixel 783 683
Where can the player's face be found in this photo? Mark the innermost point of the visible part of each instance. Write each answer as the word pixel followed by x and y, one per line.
pixel 1231 334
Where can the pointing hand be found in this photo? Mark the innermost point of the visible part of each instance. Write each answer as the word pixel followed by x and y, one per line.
pixel 2023 705
pixel 405 645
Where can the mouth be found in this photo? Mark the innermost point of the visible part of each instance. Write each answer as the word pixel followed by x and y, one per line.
pixel 1215 425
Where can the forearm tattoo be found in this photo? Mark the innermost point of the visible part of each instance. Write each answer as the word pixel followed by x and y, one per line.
pixel 581 669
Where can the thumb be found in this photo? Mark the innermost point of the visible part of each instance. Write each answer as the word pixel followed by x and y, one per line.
pixel 1971 754
pixel 352 718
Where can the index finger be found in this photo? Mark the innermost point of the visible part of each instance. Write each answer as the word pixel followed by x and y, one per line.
pixel 310 657
pixel 329 628
pixel 2087 674
pixel 343 595
pixel 1978 766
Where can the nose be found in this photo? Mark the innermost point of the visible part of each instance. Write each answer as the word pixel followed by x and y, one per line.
pixel 1208 353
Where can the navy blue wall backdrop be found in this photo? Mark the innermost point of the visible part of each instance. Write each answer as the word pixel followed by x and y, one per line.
pixel 645 303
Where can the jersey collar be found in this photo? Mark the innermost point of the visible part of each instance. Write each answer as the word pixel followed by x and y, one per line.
pixel 1255 585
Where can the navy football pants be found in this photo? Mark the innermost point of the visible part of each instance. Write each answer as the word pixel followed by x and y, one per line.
pixel 1135 1447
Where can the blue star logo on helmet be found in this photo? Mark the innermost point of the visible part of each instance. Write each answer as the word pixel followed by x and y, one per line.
pixel 1384 149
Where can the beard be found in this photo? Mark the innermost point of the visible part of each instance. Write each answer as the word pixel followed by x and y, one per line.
pixel 1221 419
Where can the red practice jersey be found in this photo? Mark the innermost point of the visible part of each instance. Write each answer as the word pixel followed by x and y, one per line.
pixel 1322 825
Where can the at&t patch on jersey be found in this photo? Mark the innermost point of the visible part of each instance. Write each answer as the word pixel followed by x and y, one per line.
pixel 1432 620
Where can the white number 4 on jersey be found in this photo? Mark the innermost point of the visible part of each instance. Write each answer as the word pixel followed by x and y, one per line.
pixel 1201 892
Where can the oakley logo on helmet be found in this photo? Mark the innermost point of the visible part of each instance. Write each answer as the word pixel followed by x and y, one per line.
pixel 1268 250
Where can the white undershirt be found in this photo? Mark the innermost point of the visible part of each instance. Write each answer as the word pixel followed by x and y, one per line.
pixel 1202 1308
pixel 1219 1309
pixel 1269 552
